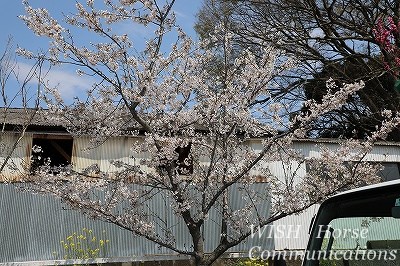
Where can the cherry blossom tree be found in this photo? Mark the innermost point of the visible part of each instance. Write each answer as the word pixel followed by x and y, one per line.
pixel 170 103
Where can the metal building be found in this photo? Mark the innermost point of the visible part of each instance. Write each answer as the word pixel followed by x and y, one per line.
pixel 32 226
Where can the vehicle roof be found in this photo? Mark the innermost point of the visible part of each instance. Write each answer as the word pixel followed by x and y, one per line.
pixel 364 188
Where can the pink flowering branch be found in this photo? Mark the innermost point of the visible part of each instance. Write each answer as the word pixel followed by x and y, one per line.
pixel 387 34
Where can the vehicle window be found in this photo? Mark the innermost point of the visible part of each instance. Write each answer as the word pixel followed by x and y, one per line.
pixel 361 241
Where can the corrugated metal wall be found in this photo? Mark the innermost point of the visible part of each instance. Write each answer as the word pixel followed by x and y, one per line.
pixel 296 230
pixel 20 158
pixel 32 226
pixel 117 148
pixel 383 228
pixel 385 152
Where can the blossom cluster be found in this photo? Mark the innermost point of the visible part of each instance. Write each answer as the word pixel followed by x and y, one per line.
pixel 387 34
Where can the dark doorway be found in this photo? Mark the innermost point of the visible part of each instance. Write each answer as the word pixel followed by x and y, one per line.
pixel 51 150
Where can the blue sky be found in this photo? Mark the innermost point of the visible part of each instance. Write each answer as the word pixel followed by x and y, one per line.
pixel 70 84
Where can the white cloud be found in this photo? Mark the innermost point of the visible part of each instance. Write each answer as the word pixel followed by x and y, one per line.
pixel 317 33
pixel 180 15
pixel 69 83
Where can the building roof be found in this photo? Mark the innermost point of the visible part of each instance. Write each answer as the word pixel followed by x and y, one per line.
pixel 24 116
pixel 43 118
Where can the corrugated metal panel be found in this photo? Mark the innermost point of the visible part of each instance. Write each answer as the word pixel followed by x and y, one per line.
pixel 32 226
pixel 295 230
pixel 386 152
pixel 377 229
pixel 20 158
pixel 238 199
pixel 379 153
pixel 117 149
